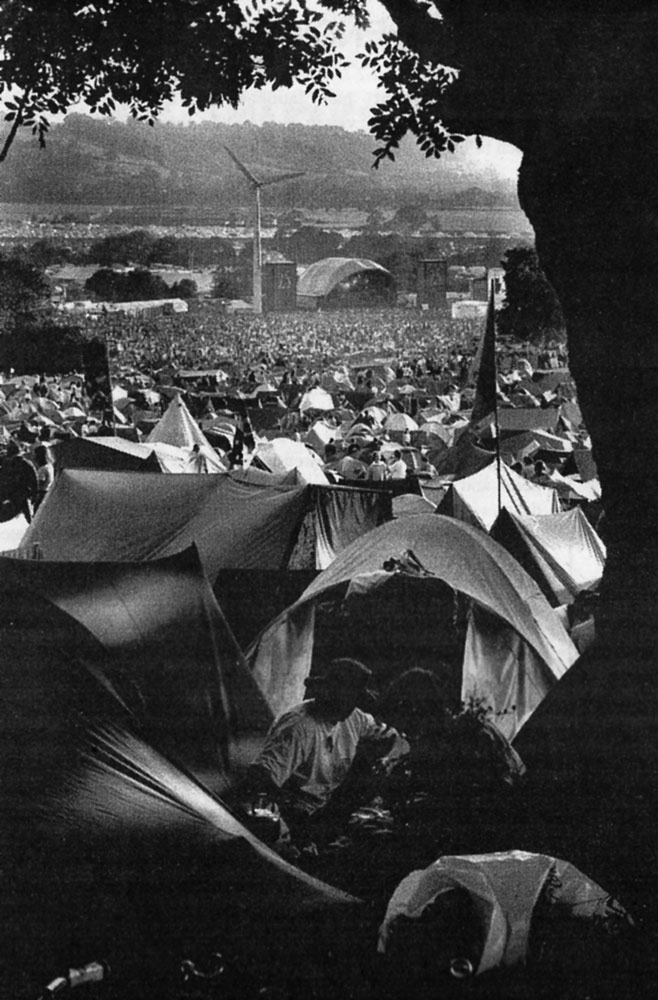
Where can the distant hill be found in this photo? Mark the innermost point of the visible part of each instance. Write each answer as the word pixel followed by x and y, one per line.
pixel 106 162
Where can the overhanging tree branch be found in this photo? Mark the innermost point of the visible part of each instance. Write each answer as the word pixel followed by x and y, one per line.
pixel 430 37
pixel 15 125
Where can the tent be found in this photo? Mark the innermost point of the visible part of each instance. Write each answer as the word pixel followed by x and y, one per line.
pixel 400 422
pixel 119 455
pixel 235 521
pixel 12 532
pixel 335 517
pixel 515 647
pixel 178 427
pixel 412 503
pixel 513 420
pixel 111 850
pixel 461 460
pixel 561 552
pixel 168 651
pixel 316 399
pixel 282 455
pixel 475 499
pixel 127 517
pixel 319 435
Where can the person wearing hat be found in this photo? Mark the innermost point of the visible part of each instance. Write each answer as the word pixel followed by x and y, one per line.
pixel 309 751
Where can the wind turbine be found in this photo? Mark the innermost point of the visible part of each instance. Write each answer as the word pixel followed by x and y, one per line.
pixel 256 185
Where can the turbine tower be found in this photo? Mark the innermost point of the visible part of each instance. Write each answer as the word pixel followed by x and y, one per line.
pixel 256 185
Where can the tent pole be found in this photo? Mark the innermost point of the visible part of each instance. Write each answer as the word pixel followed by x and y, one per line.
pixel 499 470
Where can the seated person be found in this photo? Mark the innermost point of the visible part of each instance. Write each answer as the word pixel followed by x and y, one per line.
pixel 311 749
pixel 457 788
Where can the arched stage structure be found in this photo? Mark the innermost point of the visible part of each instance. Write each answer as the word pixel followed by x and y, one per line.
pixel 345 282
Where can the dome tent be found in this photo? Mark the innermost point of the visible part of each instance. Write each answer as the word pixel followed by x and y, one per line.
pixel 515 648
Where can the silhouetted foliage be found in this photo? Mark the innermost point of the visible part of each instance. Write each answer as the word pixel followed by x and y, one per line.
pixel 531 310
pixel 42 347
pixel 24 292
pixel 137 285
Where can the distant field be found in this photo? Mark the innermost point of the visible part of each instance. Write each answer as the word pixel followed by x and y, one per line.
pixel 482 220
pixel 21 211
pixel 460 220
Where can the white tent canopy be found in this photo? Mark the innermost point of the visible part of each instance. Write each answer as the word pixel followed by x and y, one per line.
pixel 281 455
pixel 316 399
pixel 512 667
pixel 178 427
pixel 475 498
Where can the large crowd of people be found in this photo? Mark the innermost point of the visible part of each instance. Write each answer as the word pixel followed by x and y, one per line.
pixel 415 363
pixel 357 786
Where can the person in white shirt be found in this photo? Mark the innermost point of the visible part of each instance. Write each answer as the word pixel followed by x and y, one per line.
pixel 377 470
pixel 398 468
pixel 310 750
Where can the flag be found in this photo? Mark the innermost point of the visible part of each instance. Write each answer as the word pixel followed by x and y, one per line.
pixel 98 386
pixel 484 406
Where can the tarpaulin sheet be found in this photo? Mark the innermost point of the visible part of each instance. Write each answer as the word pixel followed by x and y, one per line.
pixel 475 499
pixel 562 552
pixel 129 517
pixel 109 850
pixel 344 514
pixel 505 888
pixel 169 650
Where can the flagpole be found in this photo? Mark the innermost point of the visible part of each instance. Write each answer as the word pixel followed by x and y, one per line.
pixel 485 404
pixel 499 471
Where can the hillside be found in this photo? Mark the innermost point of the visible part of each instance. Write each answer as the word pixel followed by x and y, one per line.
pixel 106 162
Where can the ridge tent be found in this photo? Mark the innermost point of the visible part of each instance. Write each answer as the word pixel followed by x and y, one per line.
pixel 316 399
pixel 515 647
pixel 120 455
pixel 561 552
pixel 462 459
pixel 282 455
pixel 319 435
pixel 475 499
pixel 111 851
pixel 128 517
pixel 234 522
pixel 178 427
pixel 169 652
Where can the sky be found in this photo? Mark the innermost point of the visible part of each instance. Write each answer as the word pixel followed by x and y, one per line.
pixel 356 93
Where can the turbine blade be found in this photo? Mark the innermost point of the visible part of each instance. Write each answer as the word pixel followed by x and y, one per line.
pixel 283 177
pixel 241 167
